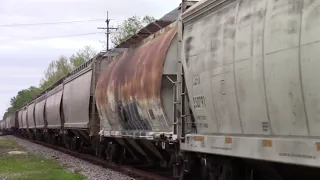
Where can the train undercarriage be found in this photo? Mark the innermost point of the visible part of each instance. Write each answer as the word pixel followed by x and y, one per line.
pixel 178 164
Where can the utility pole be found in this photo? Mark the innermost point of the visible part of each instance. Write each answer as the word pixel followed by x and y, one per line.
pixel 107 29
pixel 183 6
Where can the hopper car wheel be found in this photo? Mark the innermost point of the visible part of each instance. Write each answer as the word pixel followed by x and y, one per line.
pixel 229 171
pixel 66 141
pixel 224 170
pixel 122 155
pixel 52 140
pixel 73 144
pixel 112 154
pixel 49 139
pixel 212 168
pixel 56 140
pixel 33 136
pixel 101 150
pixel 187 167
pixel 80 146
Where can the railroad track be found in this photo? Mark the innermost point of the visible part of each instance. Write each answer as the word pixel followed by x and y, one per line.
pixel 130 171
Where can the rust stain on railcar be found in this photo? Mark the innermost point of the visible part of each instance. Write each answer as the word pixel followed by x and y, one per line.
pixel 128 91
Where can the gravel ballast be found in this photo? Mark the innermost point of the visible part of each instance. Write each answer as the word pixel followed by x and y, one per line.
pixel 89 170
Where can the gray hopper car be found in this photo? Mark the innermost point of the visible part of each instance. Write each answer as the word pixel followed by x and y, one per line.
pixel 251 71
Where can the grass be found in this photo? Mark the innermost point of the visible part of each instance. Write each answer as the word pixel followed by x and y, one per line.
pixel 8 144
pixel 30 167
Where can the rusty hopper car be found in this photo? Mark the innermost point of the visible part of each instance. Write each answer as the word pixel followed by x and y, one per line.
pixel 135 95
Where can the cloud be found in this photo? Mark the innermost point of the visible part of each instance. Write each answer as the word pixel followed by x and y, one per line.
pixel 20 72
pixel 24 51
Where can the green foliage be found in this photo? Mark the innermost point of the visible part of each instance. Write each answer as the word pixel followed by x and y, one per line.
pixel 59 68
pixel 56 70
pixel 21 98
pixel 130 27
pixel 81 56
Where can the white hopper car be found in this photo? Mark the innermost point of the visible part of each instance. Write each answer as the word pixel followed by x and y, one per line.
pixel 251 69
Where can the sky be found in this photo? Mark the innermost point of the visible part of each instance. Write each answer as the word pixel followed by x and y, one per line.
pixel 26 50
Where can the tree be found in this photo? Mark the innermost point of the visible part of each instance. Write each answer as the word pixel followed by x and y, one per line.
pixel 21 99
pixel 82 56
pixel 129 27
pixel 56 70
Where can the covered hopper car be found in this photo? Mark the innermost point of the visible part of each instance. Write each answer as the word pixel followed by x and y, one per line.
pixel 9 124
pixel 228 91
pixel 2 125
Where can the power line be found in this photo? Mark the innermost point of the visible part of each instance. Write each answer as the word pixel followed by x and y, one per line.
pixel 71 35
pixel 49 23
pixel 63 36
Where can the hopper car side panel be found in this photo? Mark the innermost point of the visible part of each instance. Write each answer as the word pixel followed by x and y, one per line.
pixel 76 99
pixel 7 122
pixel 11 121
pixel 20 119
pixel 2 125
pixel 39 112
pixel 252 79
pixel 30 117
pixel 14 122
pixel 53 103
pixel 24 118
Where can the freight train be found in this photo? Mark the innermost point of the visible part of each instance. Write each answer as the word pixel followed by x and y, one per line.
pixel 228 91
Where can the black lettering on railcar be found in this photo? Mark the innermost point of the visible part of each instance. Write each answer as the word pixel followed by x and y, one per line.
pixel 199 102
pixel 201 118
pixel 265 126
pixel 196 80
pixel 297 155
pixel 221 148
